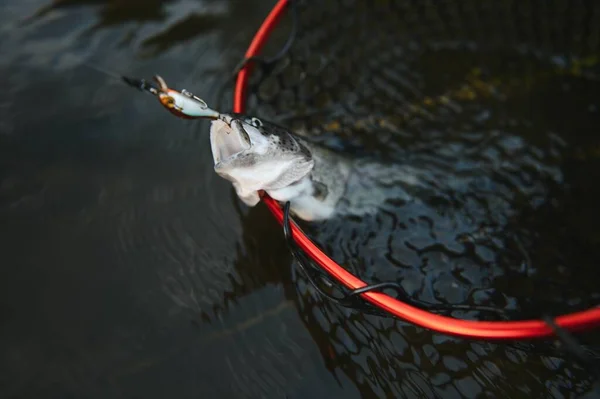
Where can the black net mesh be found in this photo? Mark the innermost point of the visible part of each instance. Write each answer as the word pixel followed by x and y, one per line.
pixel 495 103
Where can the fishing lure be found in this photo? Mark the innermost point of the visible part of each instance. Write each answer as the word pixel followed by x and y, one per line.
pixel 180 103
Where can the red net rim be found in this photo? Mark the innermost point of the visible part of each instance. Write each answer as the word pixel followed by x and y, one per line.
pixel 496 330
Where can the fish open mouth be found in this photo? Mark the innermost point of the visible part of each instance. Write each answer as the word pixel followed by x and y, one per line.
pixel 228 140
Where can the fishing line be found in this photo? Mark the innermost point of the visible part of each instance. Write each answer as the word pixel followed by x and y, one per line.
pixel 102 71
pixel 140 84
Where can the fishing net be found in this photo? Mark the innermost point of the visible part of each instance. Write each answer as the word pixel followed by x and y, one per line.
pixel 468 101
pixel 472 94
pixel 495 105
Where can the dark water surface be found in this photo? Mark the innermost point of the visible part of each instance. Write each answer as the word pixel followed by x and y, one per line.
pixel 129 269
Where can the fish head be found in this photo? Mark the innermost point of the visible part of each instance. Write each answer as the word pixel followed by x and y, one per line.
pixel 257 155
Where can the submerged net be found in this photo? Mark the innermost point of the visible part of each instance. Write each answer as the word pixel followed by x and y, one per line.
pixel 495 104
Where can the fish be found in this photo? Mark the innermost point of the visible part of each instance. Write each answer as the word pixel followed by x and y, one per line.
pixel 257 155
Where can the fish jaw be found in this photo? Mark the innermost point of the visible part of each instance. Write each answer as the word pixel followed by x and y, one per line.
pixel 252 159
pixel 227 141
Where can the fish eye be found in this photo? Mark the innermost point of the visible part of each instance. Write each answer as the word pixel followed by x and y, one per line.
pixel 256 122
